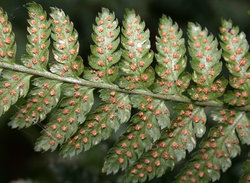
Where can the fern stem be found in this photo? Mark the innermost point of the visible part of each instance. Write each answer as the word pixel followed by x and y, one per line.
pixel 82 82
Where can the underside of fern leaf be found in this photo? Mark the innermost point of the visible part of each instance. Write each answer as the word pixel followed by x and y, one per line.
pixel 163 102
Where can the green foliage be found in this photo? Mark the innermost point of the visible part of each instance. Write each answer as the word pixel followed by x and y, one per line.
pixel 172 146
pixel 171 60
pixel 203 49
pixel 104 53
pixel 39 32
pixel 235 53
pixel 15 85
pixel 217 149
pixel 100 124
pixel 136 54
pixel 144 130
pixel 121 69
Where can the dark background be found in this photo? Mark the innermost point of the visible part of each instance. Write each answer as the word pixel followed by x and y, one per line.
pixel 17 158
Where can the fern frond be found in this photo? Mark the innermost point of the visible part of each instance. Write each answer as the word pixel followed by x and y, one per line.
pixel 66 46
pixel 171 60
pixel 172 146
pixel 13 86
pixel 218 148
pixel 46 94
pixel 62 92
pixel 104 53
pixel 39 103
pixel 39 32
pixel 203 49
pixel 136 54
pixel 236 54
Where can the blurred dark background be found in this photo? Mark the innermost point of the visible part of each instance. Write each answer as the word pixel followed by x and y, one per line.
pixel 17 158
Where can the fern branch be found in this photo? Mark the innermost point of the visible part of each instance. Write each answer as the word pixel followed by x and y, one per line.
pixel 62 91
pixel 82 82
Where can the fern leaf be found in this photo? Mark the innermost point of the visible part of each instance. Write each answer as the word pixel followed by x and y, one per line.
pixel 205 55
pixel 136 54
pixel 140 135
pixel 46 93
pixel 39 32
pixel 104 53
pixel 66 46
pixel 172 146
pixel 218 148
pixel 171 60
pixel 152 143
pixel 235 52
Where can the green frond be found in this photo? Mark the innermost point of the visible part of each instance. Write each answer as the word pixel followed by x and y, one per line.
pixel 13 86
pixel 171 59
pixel 104 52
pixel 136 54
pixel 172 146
pixel 236 54
pixel 39 33
pixel 122 74
pixel 216 151
pixel 65 46
pixel 115 108
pixel 203 49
